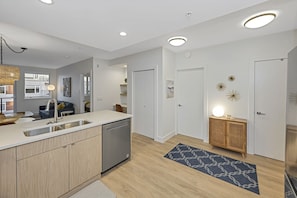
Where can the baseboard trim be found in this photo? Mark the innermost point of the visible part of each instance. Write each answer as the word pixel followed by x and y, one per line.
pixel 165 138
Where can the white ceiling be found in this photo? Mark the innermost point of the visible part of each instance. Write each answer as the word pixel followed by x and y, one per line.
pixel 70 31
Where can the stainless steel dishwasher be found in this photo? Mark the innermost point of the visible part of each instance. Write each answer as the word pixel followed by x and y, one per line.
pixel 116 143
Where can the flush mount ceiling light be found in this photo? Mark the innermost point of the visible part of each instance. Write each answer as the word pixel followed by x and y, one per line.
pixel 177 41
pixel 123 34
pixel 259 20
pixel 48 2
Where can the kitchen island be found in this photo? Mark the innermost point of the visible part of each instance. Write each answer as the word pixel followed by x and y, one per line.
pixel 54 164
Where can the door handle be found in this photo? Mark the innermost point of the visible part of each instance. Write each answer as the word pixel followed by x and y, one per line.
pixel 260 113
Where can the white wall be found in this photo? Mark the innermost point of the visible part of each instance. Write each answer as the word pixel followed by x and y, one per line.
pixel 106 84
pixel 74 71
pixel 162 61
pixel 151 59
pixel 292 88
pixel 168 115
pixel 236 58
pixel 32 105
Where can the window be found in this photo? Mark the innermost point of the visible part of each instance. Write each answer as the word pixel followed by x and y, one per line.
pixel 6 99
pixel 36 85
pixel 3 90
pixel 87 85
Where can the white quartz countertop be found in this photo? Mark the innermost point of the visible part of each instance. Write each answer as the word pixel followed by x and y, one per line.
pixel 12 135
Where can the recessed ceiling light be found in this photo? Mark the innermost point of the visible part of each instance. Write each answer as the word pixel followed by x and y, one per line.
pixel 48 2
pixel 123 33
pixel 259 20
pixel 177 41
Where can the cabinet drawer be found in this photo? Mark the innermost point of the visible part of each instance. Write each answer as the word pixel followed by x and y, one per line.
pixel 42 146
pixel 85 134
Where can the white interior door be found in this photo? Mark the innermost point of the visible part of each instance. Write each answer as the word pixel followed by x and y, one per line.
pixel 190 94
pixel 143 100
pixel 270 108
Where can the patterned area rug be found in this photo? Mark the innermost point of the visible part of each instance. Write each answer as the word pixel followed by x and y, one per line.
pixel 236 172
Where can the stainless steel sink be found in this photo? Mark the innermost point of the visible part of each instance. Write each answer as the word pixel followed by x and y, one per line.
pixel 53 128
pixel 39 131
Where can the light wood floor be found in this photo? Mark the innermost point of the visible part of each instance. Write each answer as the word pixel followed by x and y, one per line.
pixel 148 174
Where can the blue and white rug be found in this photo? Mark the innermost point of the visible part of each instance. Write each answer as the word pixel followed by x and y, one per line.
pixel 236 172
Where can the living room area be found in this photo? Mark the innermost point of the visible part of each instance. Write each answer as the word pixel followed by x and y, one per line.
pixel 73 86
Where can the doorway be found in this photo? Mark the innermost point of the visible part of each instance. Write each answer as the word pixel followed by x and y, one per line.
pixel 86 93
pixel 270 108
pixel 143 102
pixel 190 102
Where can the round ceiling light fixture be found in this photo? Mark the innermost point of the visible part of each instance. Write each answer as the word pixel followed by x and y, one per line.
pixel 123 34
pixel 177 41
pixel 259 20
pixel 48 2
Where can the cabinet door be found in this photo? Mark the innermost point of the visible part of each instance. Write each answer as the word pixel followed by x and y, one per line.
pixel 8 173
pixel 85 160
pixel 236 136
pixel 217 132
pixel 44 175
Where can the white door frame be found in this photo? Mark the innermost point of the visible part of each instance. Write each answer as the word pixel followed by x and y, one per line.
pixel 251 119
pixel 205 103
pixel 155 103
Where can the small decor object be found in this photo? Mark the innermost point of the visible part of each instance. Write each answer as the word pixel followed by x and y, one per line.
pixel 228 116
pixel 67 87
pixel 231 78
pixel 170 88
pixel 233 95
pixel 221 86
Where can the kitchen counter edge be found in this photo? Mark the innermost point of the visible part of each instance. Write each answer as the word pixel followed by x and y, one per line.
pixel 12 135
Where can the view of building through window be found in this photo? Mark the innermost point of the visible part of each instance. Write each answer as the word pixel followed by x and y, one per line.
pixel 87 85
pixel 36 85
pixel 6 99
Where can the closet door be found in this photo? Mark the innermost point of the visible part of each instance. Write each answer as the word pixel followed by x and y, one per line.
pixel 143 102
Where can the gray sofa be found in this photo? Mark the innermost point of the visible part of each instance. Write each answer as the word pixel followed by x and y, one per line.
pixel 66 106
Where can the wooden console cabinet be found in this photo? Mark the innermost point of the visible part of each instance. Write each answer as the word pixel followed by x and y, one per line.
pixel 228 133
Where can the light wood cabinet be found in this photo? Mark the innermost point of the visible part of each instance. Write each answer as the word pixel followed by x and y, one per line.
pixel 228 133
pixel 8 173
pixel 217 132
pixel 45 175
pixel 84 160
pixel 55 166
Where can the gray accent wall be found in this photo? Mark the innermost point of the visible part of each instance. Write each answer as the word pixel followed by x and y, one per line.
pixel 32 105
pixel 74 71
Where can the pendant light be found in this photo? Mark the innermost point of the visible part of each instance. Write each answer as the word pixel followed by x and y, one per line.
pixel 8 74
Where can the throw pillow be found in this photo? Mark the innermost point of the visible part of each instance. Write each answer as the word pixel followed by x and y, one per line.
pixel 61 106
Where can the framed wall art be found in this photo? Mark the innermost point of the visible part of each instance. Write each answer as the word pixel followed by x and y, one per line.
pixel 67 87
